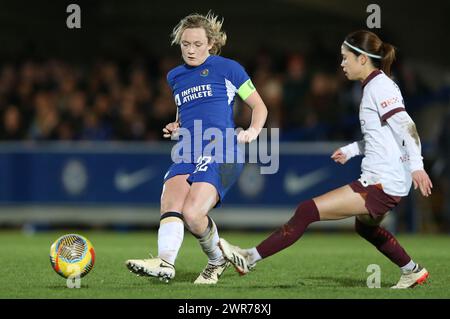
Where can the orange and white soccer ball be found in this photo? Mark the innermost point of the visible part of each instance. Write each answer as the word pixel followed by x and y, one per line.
pixel 72 256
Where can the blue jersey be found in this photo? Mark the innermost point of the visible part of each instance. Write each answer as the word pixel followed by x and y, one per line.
pixel 206 93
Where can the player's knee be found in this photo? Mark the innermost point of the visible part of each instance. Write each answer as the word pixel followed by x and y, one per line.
pixel 170 205
pixel 189 216
pixel 369 220
pixel 308 211
pixel 364 227
pixel 193 218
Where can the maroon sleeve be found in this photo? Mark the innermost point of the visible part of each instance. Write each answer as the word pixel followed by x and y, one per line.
pixel 392 112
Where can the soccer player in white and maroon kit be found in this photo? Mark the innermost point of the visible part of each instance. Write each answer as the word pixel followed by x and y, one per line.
pixel 392 160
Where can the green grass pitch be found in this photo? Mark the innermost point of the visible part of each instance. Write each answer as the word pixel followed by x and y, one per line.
pixel 320 265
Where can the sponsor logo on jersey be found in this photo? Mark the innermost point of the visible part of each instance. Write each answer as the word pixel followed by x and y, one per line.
pixel 389 102
pixel 194 93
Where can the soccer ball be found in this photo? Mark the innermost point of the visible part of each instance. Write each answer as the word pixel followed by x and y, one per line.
pixel 72 256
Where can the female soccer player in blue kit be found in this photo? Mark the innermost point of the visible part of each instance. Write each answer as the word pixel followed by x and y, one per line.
pixel 204 88
pixel 392 161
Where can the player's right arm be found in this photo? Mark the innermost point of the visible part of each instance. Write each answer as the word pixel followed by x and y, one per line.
pixel 343 154
pixel 171 128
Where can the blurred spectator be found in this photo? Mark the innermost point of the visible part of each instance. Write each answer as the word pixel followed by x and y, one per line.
pixel 45 122
pixel 140 85
pixel 163 112
pixel 270 87
pixel 414 89
pixel 12 124
pixel 130 123
pixel 74 114
pixel 295 88
pixel 94 129
pixel 319 107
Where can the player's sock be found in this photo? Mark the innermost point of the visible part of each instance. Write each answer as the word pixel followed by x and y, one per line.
pixel 253 255
pixel 305 214
pixel 170 236
pixel 384 241
pixel 408 267
pixel 209 241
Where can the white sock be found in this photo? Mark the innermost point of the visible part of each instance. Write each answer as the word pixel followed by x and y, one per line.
pixel 409 266
pixel 253 255
pixel 170 238
pixel 209 241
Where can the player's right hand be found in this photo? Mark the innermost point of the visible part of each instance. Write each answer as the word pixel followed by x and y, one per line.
pixel 339 157
pixel 170 129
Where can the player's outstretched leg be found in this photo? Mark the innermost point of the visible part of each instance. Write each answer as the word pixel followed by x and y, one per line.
pixel 412 274
pixel 216 262
pixel 244 260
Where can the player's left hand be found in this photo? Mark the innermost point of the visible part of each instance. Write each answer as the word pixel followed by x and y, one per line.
pixel 422 180
pixel 248 136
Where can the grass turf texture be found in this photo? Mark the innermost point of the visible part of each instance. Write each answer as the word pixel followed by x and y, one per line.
pixel 320 265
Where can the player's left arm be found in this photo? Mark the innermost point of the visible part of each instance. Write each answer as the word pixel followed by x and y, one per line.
pixel 259 112
pixel 404 127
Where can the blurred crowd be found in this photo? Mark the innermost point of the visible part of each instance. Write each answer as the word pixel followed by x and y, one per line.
pixel 55 100
pixel 52 99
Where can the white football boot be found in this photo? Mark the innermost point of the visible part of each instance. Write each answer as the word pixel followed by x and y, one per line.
pixel 237 256
pixel 412 278
pixel 211 274
pixel 153 267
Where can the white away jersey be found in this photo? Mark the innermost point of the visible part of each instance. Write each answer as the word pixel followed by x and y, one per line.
pixel 386 160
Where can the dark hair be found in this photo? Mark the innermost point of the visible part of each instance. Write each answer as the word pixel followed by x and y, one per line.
pixel 369 42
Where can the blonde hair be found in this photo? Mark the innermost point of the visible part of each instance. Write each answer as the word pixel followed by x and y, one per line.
pixel 210 23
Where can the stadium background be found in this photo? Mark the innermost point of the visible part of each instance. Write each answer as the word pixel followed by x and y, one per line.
pixel 82 110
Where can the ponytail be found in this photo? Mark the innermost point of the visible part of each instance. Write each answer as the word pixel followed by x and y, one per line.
pixel 388 57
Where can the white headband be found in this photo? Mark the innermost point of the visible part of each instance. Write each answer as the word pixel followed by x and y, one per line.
pixel 363 52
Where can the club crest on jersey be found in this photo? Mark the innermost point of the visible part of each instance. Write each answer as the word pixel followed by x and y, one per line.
pixel 205 72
